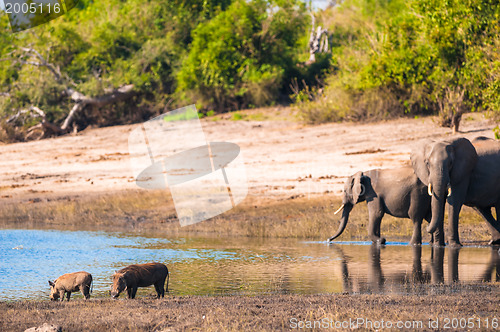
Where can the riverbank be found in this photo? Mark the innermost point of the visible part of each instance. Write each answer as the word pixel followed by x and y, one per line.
pixel 261 313
pixel 283 158
pixel 299 217
pixel 295 176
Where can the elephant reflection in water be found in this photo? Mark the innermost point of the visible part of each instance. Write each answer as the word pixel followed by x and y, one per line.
pixel 375 281
pixel 378 282
pixel 493 267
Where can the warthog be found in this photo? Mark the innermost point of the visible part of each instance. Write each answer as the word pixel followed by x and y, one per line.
pixel 140 275
pixel 71 282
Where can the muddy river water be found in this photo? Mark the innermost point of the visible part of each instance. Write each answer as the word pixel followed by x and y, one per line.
pixel 222 266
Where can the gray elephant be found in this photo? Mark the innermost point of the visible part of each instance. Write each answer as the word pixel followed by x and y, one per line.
pixel 461 173
pixel 397 192
pixel 484 189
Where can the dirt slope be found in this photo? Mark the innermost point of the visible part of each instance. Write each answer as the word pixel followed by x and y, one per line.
pixel 282 158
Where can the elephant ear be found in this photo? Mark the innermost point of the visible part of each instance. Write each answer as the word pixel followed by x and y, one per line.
pixel 419 155
pixel 464 159
pixel 358 188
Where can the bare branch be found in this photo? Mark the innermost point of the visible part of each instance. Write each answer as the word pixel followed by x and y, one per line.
pixel 69 119
pixel 317 44
pixel 35 58
pixel 53 69
pixel 32 109
pixel 82 101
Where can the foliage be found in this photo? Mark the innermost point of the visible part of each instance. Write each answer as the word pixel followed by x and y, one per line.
pixel 243 55
pixel 388 59
pixel 220 54
pixel 410 57
pixel 98 47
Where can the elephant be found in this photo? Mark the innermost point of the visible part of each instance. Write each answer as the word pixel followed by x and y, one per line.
pixel 459 172
pixel 484 189
pixel 397 192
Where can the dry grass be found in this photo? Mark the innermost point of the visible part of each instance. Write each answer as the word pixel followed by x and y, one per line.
pixel 302 217
pixel 240 313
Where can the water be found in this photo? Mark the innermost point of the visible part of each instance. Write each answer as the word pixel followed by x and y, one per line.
pixel 213 266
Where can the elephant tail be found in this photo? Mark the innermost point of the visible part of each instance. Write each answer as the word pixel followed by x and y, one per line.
pixel 343 222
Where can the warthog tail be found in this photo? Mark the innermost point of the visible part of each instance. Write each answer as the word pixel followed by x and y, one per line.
pixel 168 278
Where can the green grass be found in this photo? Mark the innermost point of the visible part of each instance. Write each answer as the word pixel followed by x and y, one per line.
pixel 237 116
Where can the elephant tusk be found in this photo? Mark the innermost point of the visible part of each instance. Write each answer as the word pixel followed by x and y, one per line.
pixel 449 190
pixel 340 209
pixel 429 189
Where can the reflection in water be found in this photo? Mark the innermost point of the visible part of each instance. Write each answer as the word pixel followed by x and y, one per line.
pixel 225 266
pixel 493 268
pixel 399 280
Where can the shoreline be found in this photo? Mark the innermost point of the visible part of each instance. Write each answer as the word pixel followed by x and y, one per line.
pixel 299 218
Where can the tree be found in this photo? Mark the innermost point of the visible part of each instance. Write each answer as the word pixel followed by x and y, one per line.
pixel 242 56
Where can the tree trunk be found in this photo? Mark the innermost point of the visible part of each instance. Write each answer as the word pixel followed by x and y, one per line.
pixel 82 101
pixel 317 44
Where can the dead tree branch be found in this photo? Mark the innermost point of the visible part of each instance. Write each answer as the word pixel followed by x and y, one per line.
pixel 32 57
pixel 33 112
pixel 56 71
pixel 318 40
pixel 81 101
pixel 451 107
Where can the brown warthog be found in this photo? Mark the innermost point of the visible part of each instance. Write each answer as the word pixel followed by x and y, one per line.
pixel 140 275
pixel 71 282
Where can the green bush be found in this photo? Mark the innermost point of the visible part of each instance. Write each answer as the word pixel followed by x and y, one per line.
pixel 408 58
pixel 98 47
pixel 242 56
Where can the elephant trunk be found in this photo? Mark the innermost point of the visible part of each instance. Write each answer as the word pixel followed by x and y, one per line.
pixel 438 201
pixel 343 221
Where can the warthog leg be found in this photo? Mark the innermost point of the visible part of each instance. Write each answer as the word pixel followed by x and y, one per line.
pixel 134 290
pixel 159 290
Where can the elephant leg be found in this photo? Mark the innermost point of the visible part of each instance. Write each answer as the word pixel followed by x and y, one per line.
pixel 497 209
pixel 453 264
pixel 416 239
pixel 453 215
pixel 375 213
pixel 428 219
pixel 493 225
pixel 437 238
